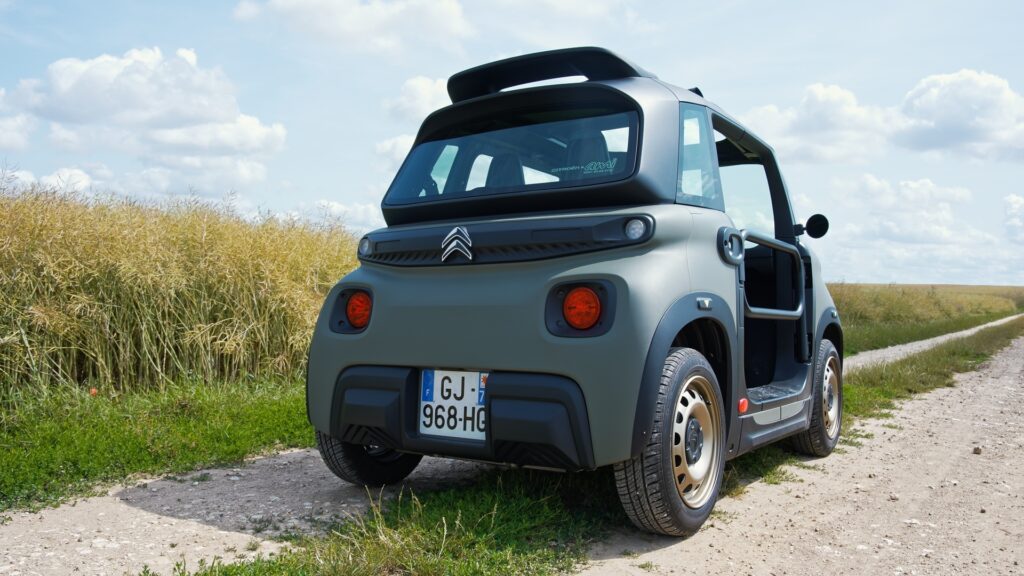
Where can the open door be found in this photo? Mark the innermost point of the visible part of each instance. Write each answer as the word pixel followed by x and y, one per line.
pixel 771 276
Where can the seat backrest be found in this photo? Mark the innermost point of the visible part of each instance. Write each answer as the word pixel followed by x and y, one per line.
pixel 505 170
pixel 583 151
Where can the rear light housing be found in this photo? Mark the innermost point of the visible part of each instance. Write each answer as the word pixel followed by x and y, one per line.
pixel 352 311
pixel 580 309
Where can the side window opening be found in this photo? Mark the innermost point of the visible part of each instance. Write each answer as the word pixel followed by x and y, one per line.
pixel 698 183
pixel 746 193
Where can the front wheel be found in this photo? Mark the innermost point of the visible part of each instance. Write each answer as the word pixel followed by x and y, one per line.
pixel 365 465
pixel 827 404
pixel 671 487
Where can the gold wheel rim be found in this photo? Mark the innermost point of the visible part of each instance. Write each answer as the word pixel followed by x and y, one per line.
pixel 696 444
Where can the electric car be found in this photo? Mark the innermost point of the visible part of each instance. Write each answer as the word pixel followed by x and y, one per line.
pixel 605 272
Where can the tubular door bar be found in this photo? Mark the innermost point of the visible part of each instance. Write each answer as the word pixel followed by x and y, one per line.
pixel 733 254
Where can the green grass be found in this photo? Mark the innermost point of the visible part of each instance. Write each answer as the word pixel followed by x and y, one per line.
pixel 65 442
pixel 883 334
pixel 509 522
pixel 530 523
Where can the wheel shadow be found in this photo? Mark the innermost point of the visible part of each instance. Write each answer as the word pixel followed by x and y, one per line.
pixel 283 495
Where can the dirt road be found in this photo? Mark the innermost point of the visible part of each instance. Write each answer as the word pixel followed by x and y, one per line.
pixel 936 489
pixel 908 500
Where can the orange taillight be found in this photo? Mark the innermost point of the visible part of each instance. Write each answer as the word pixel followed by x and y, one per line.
pixel 581 308
pixel 358 308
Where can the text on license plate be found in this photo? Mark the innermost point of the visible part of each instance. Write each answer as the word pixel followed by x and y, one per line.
pixel 452 404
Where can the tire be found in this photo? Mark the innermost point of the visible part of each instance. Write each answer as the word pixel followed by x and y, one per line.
pixel 365 465
pixel 659 489
pixel 826 404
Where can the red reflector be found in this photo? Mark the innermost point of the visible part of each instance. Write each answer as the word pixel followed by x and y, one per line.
pixel 581 308
pixel 743 405
pixel 358 309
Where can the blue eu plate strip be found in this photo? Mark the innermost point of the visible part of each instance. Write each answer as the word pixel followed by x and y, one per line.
pixel 428 386
pixel 481 389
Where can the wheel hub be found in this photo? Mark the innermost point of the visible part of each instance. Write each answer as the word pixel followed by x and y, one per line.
pixel 694 441
pixel 696 445
pixel 830 399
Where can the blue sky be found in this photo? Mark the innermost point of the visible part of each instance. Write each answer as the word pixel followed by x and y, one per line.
pixel 902 122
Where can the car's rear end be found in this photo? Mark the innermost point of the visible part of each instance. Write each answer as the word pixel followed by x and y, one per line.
pixel 506 312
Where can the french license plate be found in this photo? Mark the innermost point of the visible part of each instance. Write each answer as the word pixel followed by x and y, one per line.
pixel 452 404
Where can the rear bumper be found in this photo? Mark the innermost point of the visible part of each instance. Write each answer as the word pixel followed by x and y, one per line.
pixel 537 420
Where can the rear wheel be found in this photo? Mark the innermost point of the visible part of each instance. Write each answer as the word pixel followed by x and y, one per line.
pixel 674 483
pixel 365 465
pixel 827 404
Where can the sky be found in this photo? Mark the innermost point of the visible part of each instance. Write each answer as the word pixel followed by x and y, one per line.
pixel 902 122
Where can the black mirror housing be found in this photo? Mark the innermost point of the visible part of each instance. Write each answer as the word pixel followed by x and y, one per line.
pixel 816 226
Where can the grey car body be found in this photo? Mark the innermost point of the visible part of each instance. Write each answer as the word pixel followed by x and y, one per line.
pixel 753 305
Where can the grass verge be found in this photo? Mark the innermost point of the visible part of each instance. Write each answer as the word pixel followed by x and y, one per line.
pixel 65 442
pixel 877 316
pixel 531 523
pixel 884 334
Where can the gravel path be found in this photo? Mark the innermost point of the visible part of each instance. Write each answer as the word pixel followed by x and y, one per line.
pixel 893 353
pixel 236 513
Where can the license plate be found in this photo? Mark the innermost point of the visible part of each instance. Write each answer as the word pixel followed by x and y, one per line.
pixel 452 404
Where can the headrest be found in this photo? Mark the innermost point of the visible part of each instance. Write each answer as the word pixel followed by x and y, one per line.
pixel 506 170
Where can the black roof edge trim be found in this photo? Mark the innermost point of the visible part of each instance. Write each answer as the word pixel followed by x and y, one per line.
pixel 592 62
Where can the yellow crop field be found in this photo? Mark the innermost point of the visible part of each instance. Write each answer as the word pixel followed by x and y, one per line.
pixel 135 294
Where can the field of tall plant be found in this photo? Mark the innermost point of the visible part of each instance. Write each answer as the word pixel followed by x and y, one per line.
pixel 122 294
pixel 879 315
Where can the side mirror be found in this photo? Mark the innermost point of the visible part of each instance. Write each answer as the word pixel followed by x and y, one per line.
pixel 816 226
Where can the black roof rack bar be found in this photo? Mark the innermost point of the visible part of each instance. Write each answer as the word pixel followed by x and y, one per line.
pixel 594 63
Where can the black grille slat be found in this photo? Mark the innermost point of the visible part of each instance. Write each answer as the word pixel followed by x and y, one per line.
pixel 505 241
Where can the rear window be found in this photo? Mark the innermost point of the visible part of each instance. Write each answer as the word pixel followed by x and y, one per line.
pixel 542 151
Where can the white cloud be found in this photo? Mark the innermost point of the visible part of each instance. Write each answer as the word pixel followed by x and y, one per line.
pixel 15 131
pixel 970 112
pixel 243 134
pixel 1014 217
pixel 829 125
pixel 914 231
pixel 549 24
pixel 23 177
pixel 69 179
pixel 181 121
pixel 247 10
pixel 64 138
pixel 393 151
pixel 370 26
pixel 967 110
pixel 359 218
pixel 141 88
pixel 419 97
pixel 912 211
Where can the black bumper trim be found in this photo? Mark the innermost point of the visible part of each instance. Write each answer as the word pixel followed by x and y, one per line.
pixel 533 419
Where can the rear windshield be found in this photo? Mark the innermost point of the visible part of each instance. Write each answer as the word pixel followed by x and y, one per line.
pixel 543 151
